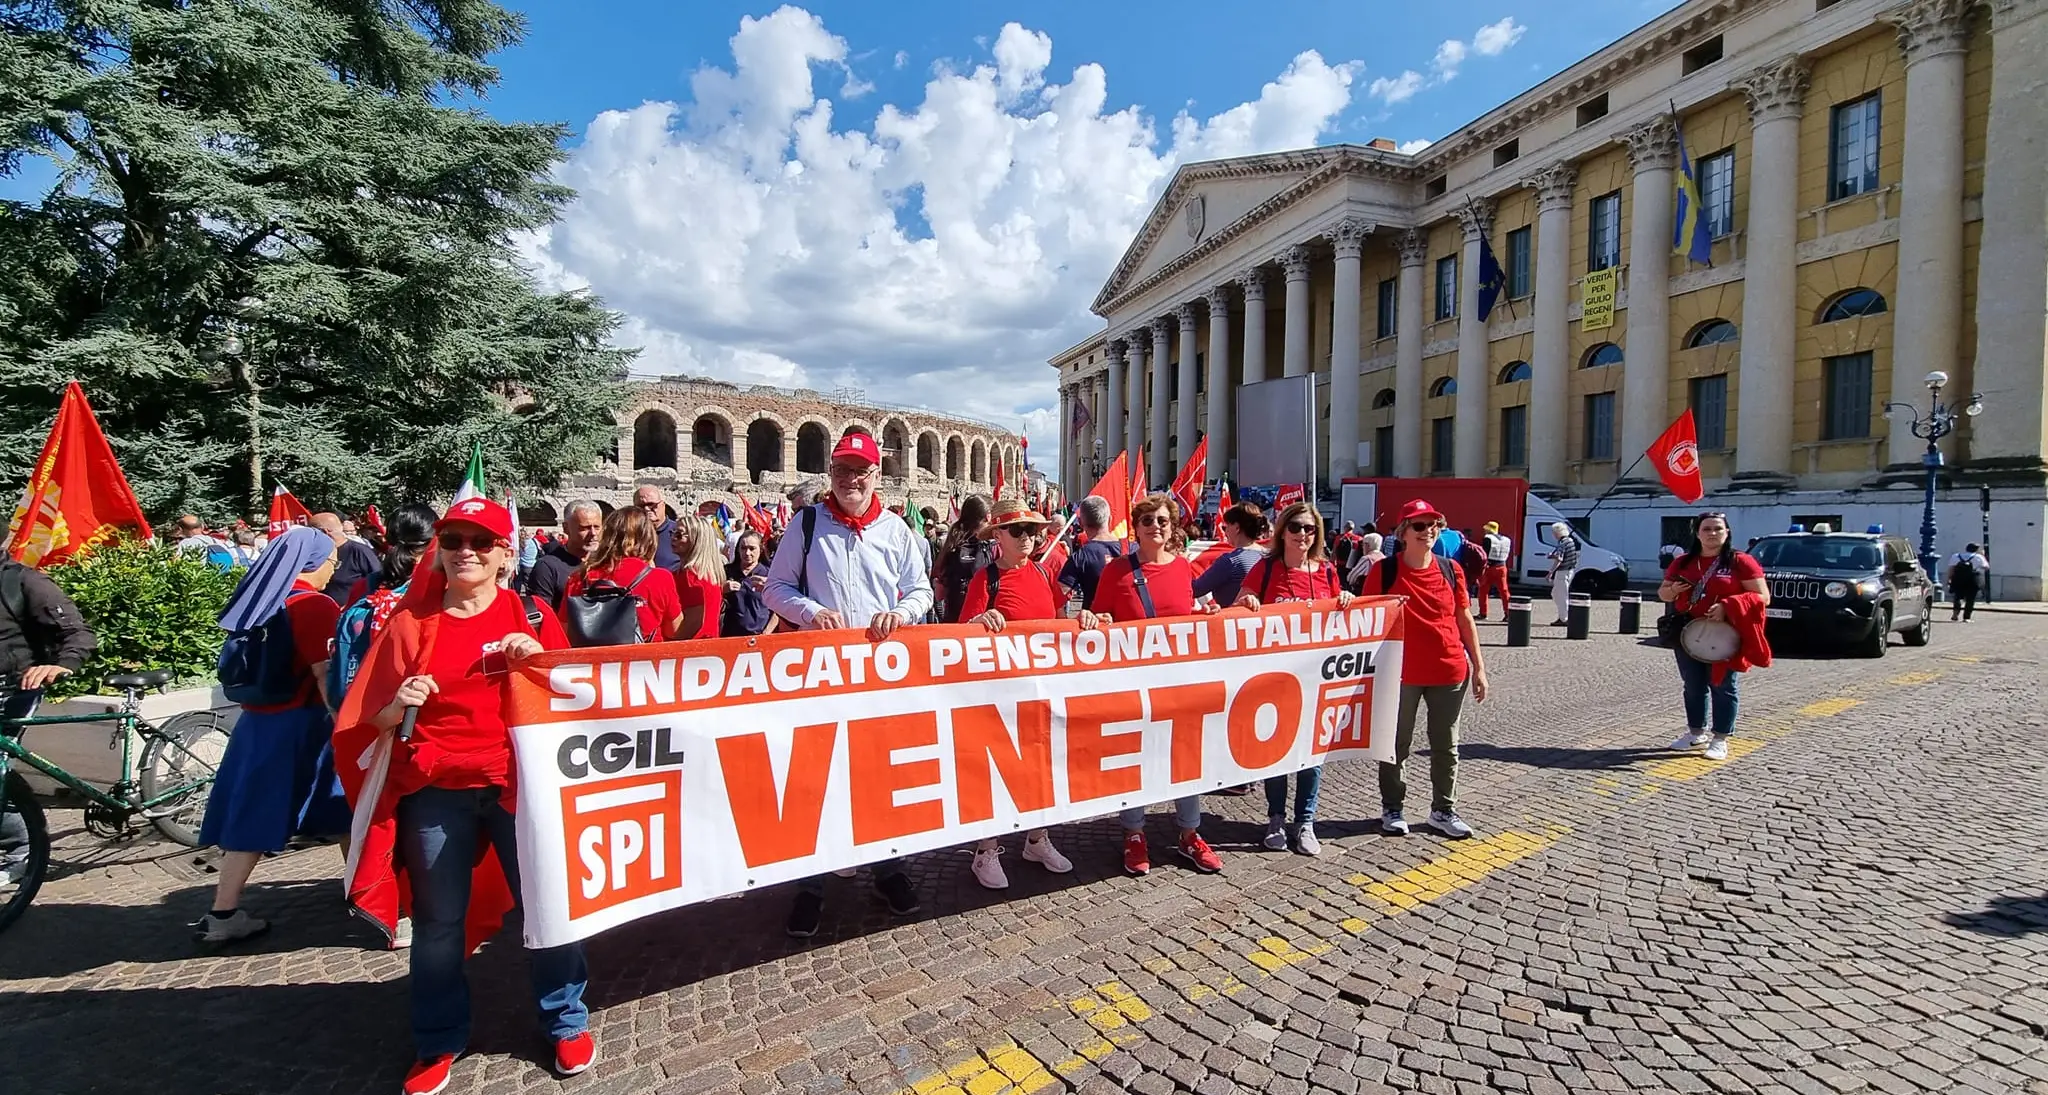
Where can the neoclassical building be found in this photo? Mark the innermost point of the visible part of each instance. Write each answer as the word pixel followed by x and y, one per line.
pixel 1874 178
pixel 707 440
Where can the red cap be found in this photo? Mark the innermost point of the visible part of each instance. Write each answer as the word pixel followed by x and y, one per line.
pixel 859 445
pixel 1415 510
pixel 481 512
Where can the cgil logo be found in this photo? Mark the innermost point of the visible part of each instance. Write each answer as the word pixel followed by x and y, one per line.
pixel 615 751
pixel 1357 663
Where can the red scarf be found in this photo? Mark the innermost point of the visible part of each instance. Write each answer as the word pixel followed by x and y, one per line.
pixel 857 524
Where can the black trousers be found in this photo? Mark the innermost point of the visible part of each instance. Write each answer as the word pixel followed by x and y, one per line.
pixel 1962 602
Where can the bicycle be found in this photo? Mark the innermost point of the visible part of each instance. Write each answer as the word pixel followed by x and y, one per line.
pixel 169 790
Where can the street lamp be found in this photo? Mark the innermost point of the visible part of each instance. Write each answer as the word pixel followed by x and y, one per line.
pixel 1937 423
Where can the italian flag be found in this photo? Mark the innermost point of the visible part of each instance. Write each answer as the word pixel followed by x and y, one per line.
pixel 472 485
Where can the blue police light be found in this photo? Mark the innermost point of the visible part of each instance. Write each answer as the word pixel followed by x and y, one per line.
pixel 1796 528
pixel 1874 529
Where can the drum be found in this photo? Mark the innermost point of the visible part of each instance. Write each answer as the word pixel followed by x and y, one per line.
pixel 1710 641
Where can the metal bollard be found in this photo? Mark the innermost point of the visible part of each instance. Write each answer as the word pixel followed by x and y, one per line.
pixel 1631 613
pixel 1518 622
pixel 1578 619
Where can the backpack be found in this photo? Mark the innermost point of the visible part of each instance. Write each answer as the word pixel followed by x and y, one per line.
pixel 257 667
pixel 359 624
pixel 1391 564
pixel 604 613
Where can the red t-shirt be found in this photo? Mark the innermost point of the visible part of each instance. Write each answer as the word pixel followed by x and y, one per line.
pixel 313 620
pixel 659 603
pixel 695 589
pixel 1726 580
pixel 1171 584
pixel 1022 593
pixel 1433 651
pixel 461 738
pixel 1290 584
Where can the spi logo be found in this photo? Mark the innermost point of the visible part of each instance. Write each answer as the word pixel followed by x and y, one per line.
pixel 1343 716
pixel 623 837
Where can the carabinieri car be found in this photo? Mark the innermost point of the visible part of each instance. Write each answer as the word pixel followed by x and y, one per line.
pixel 1846 588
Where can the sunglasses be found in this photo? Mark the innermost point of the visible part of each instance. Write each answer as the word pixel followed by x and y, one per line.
pixel 1424 526
pixel 1019 531
pixel 1301 526
pixel 455 541
pixel 1156 520
pixel 656 507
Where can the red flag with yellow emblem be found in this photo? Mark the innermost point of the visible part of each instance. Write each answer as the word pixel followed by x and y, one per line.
pixel 77 495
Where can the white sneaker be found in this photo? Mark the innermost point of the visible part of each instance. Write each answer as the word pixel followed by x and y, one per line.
pixel 1449 824
pixel 1042 852
pixel 1305 841
pixel 239 925
pixel 1691 739
pixel 1393 824
pixel 1276 835
pixel 401 934
pixel 1718 748
pixel 988 869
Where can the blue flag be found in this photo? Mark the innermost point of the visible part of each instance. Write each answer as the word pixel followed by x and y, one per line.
pixel 1691 235
pixel 1492 279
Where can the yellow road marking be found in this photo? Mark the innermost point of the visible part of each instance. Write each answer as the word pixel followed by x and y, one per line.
pixel 1826 708
pixel 1470 861
pixel 1915 678
pixel 1684 768
pixel 1275 953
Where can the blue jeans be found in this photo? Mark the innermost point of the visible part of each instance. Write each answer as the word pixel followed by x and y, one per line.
pixel 1308 784
pixel 1698 677
pixel 439 830
pixel 1187 811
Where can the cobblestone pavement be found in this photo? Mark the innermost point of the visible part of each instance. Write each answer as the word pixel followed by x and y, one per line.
pixel 1853 901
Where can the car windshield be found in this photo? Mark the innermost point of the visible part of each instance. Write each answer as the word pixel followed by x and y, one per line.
pixel 1817 553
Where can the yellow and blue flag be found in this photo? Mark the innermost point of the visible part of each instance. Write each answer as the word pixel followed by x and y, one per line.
pixel 1691 235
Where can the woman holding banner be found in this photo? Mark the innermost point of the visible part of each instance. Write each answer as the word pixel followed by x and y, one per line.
pixel 437 679
pixel 1296 568
pixel 1153 582
pixel 1013 586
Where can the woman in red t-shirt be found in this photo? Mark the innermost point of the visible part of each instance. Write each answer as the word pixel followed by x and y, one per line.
pixel 1013 586
pixel 624 556
pixel 449 648
pixel 1296 568
pixel 1153 582
pixel 700 577
pixel 1698 585
pixel 270 768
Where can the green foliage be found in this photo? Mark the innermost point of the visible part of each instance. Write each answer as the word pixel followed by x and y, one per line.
pixel 277 237
pixel 149 606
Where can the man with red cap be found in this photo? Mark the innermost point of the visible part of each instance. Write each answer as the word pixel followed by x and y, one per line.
pixel 1440 661
pixel 847 562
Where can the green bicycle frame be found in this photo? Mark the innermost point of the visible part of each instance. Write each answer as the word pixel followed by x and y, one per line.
pixel 12 749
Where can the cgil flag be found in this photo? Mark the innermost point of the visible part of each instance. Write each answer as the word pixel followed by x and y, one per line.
pixel 472 485
pixel 1691 235
pixel 1114 488
pixel 77 495
pixel 1676 453
pixel 285 511
pixel 1187 486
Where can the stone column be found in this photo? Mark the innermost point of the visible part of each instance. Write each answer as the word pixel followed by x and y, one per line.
pixel 1253 282
pixel 1770 274
pixel 1551 366
pixel 1653 149
pixel 1294 350
pixel 1349 239
pixel 1927 308
pixel 1468 447
pixel 1158 469
pixel 1069 457
pixel 1126 398
pixel 1414 248
pixel 2012 318
pixel 1221 395
pixel 1184 421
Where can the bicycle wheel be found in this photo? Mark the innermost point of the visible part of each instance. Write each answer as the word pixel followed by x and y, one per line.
pixel 24 849
pixel 182 756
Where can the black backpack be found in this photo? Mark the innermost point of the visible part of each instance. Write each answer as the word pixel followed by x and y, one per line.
pixel 256 667
pixel 604 613
pixel 1390 566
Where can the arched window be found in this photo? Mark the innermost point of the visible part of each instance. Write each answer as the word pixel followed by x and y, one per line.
pixel 813 448
pixel 895 443
pixel 1607 353
pixel 711 439
pixel 1854 304
pixel 1711 333
pixel 1515 370
pixel 977 462
pixel 654 440
pixel 1444 385
pixel 956 458
pixel 1383 399
pixel 928 452
pixel 764 448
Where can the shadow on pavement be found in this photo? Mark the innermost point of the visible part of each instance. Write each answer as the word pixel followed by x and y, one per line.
pixel 1554 757
pixel 2006 915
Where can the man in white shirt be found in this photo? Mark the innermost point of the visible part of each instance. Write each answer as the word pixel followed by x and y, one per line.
pixel 847 562
pixel 1499 549
pixel 1967 571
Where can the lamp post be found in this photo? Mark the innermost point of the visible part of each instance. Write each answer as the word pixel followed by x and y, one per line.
pixel 1937 423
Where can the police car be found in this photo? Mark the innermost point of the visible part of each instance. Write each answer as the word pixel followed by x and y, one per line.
pixel 1846 588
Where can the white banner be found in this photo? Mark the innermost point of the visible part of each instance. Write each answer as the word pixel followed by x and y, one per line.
pixel 656 776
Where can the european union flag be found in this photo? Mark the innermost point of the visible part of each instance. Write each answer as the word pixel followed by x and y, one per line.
pixel 1492 279
pixel 1691 235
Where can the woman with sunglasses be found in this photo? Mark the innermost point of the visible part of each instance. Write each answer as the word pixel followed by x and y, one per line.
pixel 1013 586
pixel 624 556
pixel 1153 582
pixel 445 656
pixel 1296 568
pixel 1699 584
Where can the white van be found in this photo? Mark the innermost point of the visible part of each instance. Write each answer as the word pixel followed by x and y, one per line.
pixel 1600 571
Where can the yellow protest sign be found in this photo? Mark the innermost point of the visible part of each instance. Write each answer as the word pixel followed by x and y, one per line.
pixel 1596 295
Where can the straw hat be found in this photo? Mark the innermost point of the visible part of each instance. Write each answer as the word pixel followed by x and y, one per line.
pixel 1013 511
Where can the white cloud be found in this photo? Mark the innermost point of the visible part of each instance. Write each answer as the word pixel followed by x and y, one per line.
pixel 936 257
pixel 1396 89
pixel 902 58
pixel 1410 148
pixel 1449 56
pixel 1494 39
pixel 1491 40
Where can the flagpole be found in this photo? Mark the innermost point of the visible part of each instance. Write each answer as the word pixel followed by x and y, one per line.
pixel 1588 515
pixel 1056 538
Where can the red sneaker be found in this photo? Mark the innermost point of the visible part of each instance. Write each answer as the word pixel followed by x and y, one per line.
pixel 1197 852
pixel 1137 857
pixel 429 1077
pixel 575 1053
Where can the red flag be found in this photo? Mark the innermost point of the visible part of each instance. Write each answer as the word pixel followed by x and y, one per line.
pixel 757 518
pixel 286 511
pixel 1138 487
pixel 1207 556
pixel 1289 495
pixel 1222 507
pixel 953 517
pixel 1676 452
pixel 374 519
pixel 999 482
pixel 1187 486
pixel 1111 488
pixel 76 496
